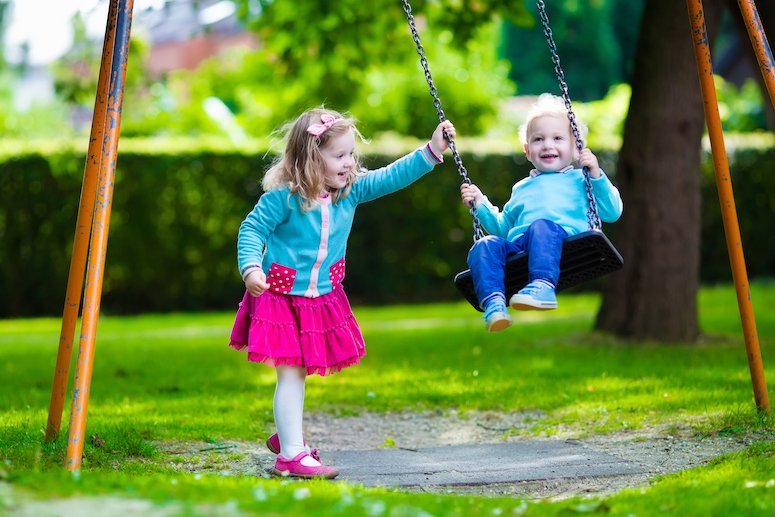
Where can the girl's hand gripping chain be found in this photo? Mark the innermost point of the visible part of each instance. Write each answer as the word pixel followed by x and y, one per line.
pixel 256 282
pixel 439 144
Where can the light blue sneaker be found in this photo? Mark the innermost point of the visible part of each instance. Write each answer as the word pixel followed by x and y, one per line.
pixel 538 295
pixel 496 315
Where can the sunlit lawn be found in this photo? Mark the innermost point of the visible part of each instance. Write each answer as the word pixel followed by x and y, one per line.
pixel 165 377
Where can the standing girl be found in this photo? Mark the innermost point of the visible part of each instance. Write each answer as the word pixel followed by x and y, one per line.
pixel 295 316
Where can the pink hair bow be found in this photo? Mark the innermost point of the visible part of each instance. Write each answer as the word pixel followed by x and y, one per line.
pixel 319 129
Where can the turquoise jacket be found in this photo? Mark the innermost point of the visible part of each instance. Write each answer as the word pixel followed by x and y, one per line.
pixel 303 254
pixel 557 196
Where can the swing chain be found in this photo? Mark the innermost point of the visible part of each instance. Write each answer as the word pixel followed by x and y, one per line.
pixel 478 232
pixel 592 216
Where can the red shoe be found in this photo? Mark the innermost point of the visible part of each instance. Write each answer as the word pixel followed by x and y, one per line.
pixel 294 468
pixel 273 444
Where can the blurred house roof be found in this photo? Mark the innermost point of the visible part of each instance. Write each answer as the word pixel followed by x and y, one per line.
pixel 184 33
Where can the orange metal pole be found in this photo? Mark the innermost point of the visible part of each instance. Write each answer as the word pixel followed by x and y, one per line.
pixel 728 210
pixel 98 250
pixel 82 234
pixel 760 44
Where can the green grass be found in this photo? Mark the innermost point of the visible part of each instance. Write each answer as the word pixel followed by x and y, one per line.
pixel 171 377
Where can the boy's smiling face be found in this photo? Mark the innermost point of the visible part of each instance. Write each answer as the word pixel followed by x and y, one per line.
pixel 550 145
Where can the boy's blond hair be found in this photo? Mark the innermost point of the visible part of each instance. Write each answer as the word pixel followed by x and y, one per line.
pixel 301 167
pixel 549 105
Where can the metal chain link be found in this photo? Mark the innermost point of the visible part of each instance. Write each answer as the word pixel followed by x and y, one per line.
pixel 592 216
pixel 478 232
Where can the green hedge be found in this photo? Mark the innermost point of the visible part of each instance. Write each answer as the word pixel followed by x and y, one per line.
pixel 753 184
pixel 177 209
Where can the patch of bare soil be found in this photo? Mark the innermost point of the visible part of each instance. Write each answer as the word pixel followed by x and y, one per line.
pixel 653 449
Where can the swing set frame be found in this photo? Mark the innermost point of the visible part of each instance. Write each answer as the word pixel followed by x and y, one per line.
pixel 97 192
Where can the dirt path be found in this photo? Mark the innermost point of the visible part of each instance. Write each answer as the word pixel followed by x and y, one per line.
pixel 651 448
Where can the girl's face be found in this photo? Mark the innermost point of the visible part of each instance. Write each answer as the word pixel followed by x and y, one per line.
pixel 550 145
pixel 338 155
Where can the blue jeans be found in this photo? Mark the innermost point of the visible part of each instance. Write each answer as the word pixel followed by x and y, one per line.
pixel 487 258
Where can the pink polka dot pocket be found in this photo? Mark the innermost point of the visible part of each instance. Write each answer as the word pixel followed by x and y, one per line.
pixel 281 278
pixel 336 273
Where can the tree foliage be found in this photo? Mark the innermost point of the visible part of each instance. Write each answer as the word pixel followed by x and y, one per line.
pixel 389 96
pixel 355 55
pixel 76 73
pixel 342 38
pixel 595 40
pixel 351 56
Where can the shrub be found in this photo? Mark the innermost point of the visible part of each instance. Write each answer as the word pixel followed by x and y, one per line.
pixel 177 207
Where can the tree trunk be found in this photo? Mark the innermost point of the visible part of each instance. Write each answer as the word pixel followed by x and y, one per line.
pixel 655 295
pixel 767 15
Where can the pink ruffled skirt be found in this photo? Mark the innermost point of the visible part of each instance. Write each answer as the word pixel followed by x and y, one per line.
pixel 320 333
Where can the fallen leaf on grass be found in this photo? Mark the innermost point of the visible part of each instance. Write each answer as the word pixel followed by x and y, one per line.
pixel 389 443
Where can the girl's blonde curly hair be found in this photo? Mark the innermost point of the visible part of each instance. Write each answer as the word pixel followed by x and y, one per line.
pixel 301 167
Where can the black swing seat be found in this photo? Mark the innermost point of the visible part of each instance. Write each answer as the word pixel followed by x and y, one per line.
pixel 585 256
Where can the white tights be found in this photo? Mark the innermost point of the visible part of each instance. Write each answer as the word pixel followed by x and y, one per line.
pixel 289 412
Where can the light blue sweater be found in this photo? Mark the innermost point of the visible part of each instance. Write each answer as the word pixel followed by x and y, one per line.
pixel 558 196
pixel 303 253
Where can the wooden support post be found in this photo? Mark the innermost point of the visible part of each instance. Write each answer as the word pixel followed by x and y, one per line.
pixel 728 210
pixel 99 235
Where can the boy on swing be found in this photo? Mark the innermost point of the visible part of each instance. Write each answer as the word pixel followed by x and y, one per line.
pixel 545 208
